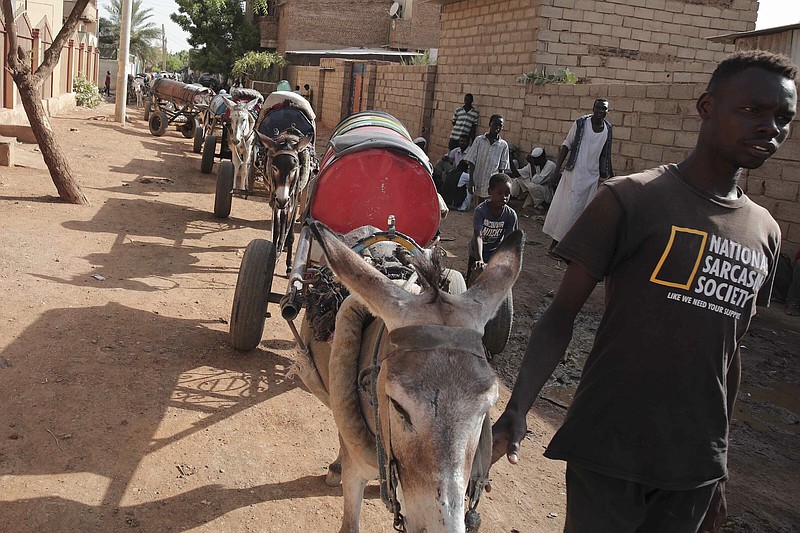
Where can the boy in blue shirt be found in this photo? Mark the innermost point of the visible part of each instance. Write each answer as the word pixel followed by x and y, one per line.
pixel 492 222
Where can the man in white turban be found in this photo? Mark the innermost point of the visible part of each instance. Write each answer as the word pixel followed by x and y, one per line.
pixel 535 182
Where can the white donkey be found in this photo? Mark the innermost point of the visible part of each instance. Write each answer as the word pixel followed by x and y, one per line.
pixel 240 140
pixel 138 90
pixel 432 382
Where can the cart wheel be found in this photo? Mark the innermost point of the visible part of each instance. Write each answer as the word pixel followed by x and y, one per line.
pixel 223 196
pixel 188 127
pixel 148 104
pixel 498 329
pixel 453 281
pixel 209 149
pixel 197 147
pixel 158 123
pixel 251 297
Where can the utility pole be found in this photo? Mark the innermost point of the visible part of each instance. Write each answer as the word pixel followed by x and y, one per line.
pixel 163 50
pixel 122 62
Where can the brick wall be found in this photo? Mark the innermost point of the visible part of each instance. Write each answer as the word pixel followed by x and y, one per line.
pixel 638 40
pixel 334 80
pixel 299 76
pixel 268 28
pixel 407 93
pixel 419 32
pixel 323 24
pixel 485 45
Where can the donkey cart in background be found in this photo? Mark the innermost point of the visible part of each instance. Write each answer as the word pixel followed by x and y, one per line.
pixel 215 118
pixel 174 102
pixel 272 157
pixel 411 388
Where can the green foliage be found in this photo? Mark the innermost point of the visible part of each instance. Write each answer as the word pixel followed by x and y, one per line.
pixel 86 92
pixel 257 65
pixel 564 75
pixel 424 59
pixel 260 8
pixel 144 34
pixel 219 30
pixel 178 62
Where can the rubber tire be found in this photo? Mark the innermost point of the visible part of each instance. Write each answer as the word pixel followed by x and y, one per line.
pixel 158 123
pixel 148 105
pixel 498 329
pixel 455 281
pixel 223 196
pixel 251 297
pixel 188 128
pixel 197 146
pixel 209 151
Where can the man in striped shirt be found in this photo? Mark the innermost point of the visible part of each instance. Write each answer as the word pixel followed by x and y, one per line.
pixel 465 122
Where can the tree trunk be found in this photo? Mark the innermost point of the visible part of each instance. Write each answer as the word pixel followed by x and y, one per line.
pixel 30 85
pixel 68 188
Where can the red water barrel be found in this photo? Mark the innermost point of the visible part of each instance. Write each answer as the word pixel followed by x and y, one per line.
pixel 365 187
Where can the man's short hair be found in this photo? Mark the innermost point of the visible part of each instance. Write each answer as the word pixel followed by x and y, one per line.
pixel 495 117
pixel 600 101
pixel 499 178
pixel 742 60
pixel 469 95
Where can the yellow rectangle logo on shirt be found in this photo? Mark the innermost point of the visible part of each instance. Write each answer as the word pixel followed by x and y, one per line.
pixel 681 258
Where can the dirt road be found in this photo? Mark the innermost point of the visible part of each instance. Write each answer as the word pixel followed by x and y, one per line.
pixel 122 406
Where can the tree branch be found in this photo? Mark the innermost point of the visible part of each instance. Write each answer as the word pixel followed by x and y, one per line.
pixel 52 54
pixel 11 29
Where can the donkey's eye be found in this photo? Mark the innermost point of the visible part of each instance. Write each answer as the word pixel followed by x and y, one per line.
pixel 402 413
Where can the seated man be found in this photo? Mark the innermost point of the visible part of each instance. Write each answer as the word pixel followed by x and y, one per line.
pixel 455 190
pixel 440 171
pixel 535 182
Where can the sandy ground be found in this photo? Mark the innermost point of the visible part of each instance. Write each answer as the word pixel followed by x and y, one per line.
pixel 123 407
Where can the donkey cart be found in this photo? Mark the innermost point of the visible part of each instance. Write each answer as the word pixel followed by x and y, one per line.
pixel 271 157
pixel 401 363
pixel 218 116
pixel 174 102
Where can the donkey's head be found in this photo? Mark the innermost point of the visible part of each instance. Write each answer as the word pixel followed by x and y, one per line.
pixel 283 164
pixel 435 384
pixel 242 122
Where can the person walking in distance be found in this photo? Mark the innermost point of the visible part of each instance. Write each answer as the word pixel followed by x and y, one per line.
pixel 588 145
pixel 686 256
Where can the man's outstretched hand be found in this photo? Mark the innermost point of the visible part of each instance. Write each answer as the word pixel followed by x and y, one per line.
pixel 507 433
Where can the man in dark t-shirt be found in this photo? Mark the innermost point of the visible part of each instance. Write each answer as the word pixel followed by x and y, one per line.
pixel 683 253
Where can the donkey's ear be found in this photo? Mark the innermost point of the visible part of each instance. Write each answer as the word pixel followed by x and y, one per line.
pixel 252 103
pixel 303 143
pixel 496 280
pixel 228 101
pixel 267 140
pixel 383 298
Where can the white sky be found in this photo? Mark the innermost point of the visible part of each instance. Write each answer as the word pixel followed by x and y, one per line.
pixel 160 11
pixel 771 13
